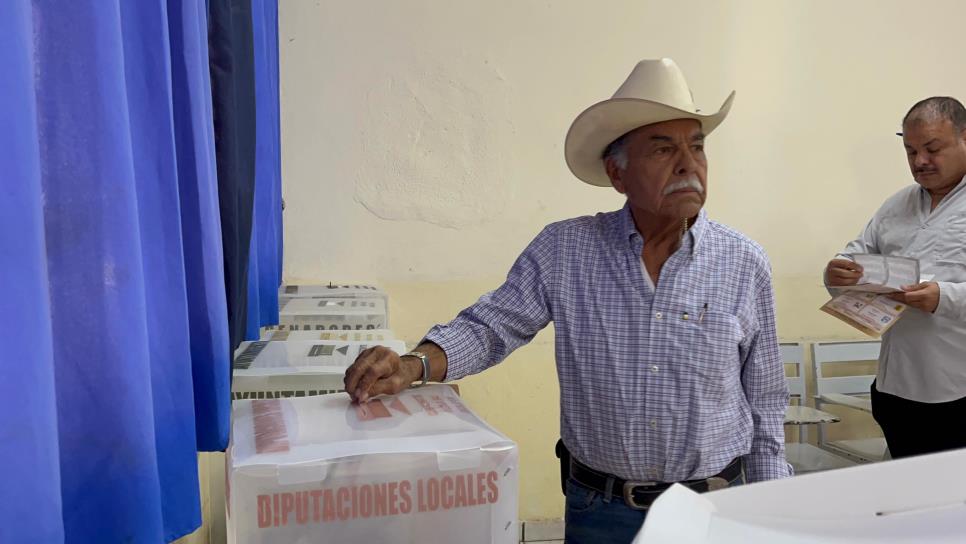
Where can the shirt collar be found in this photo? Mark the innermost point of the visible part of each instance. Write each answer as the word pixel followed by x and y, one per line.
pixel 926 200
pixel 628 230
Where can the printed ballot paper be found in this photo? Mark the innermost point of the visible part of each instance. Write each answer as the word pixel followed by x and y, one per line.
pixel 884 273
pixel 866 305
pixel 415 467
pixel 871 313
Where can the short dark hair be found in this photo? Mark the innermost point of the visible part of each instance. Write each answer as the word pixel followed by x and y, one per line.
pixel 938 107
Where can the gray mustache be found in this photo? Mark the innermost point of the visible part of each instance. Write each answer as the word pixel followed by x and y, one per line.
pixel 689 183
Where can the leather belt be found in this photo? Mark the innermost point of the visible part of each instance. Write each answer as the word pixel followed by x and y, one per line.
pixel 640 494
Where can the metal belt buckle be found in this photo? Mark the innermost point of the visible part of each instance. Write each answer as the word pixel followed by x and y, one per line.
pixel 717 482
pixel 629 494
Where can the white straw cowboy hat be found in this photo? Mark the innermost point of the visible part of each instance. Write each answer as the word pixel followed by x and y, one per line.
pixel 655 91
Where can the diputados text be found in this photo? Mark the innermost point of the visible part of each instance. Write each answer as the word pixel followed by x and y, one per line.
pixel 377 500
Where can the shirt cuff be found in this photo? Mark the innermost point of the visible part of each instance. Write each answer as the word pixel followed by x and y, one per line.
pixel 760 467
pixel 459 348
pixel 947 306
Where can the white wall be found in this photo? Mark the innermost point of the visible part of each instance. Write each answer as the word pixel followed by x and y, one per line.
pixel 422 145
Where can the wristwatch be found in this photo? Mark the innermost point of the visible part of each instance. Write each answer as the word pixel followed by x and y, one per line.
pixel 425 360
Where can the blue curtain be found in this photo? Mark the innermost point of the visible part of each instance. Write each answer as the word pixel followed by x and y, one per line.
pixel 200 221
pixel 232 65
pixel 30 505
pixel 113 316
pixel 265 256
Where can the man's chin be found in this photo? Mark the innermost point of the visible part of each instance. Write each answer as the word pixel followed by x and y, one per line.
pixel 689 209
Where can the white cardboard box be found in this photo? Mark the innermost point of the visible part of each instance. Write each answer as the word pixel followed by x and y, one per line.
pixel 372 335
pixel 295 368
pixel 418 467
pixel 335 314
pixel 915 500
pixel 329 290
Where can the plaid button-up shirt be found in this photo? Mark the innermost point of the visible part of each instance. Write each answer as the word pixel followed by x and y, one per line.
pixel 668 384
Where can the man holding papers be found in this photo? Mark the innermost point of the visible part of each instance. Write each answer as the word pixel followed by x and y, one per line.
pixel 919 395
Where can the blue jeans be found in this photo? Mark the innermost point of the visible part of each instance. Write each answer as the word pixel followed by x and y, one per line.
pixel 590 519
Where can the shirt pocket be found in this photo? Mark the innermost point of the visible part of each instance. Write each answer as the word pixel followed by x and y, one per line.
pixel 705 348
pixel 951 242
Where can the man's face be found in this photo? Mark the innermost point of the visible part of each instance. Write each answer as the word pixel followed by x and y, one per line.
pixel 936 153
pixel 667 170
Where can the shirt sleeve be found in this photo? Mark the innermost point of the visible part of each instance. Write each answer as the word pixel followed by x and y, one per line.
pixel 763 380
pixel 487 332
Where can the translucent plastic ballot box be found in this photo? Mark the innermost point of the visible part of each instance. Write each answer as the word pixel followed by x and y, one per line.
pixel 334 314
pixel 296 368
pixel 330 290
pixel 917 500
pixel 284 334
pixel 418 467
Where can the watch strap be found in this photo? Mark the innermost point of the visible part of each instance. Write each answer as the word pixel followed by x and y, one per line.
pixel 424 359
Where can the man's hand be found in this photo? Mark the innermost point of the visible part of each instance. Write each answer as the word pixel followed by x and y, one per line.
pixel 923 296
pixel 842 272
pixel 380 371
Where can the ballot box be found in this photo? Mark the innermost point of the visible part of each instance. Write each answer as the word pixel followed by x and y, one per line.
pixel 284 334
pixel 417 467
pixel 334 314
pixel 330 290
pixel 918 500
pixel 296 368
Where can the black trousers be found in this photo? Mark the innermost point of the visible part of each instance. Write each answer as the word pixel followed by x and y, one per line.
pixel 916 428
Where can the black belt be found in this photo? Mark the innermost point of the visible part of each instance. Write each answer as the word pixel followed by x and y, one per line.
pixel 639 495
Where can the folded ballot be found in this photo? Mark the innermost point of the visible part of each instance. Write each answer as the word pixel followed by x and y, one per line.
pixel 884 273
pixel 297 368
pixel 415 467
pixel 871 313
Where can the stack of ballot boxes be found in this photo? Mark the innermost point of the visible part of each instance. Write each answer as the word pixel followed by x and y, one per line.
pixel 298 368
pixel 334 314
pixel 333 307
pixel 329 290
pixel 283 334
pixel 322 330
pixel 416 467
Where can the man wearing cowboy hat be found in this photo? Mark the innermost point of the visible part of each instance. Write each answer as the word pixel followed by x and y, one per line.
pixel 666 348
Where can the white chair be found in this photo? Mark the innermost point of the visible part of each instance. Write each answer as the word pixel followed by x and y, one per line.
pixel 849 391
pixel 805 457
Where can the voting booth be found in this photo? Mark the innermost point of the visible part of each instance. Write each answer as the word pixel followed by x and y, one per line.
pixel 296 368
pixel 916 500
pixel 415 467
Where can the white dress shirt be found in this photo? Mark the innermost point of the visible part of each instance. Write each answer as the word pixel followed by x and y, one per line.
pixel 923 355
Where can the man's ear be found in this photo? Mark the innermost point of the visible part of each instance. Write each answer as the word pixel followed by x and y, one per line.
pixel 615 174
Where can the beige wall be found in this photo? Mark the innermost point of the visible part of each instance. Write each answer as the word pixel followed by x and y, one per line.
pixel 422 147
